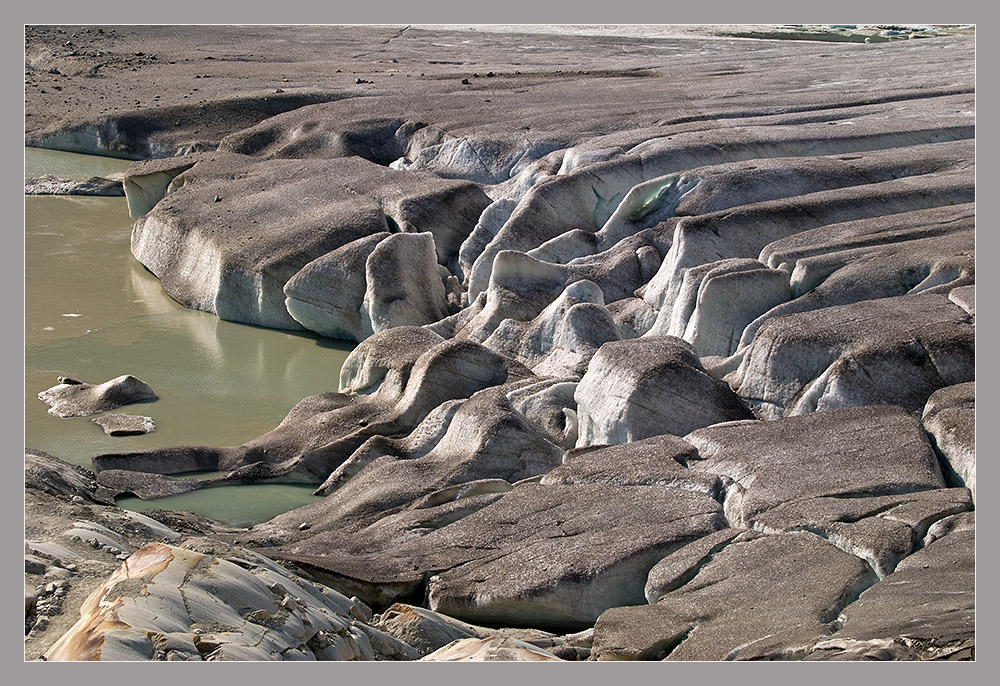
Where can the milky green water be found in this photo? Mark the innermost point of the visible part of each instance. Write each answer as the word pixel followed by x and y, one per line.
pixel 94 313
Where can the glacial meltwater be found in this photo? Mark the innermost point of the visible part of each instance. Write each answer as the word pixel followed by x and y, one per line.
pixel 94 313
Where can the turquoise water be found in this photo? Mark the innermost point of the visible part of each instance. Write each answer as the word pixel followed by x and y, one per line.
pixel 94 313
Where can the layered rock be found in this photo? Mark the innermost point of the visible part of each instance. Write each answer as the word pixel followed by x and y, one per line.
pixel 717 360
pixel 190 606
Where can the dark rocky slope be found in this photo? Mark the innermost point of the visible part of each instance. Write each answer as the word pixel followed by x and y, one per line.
pixel 676 342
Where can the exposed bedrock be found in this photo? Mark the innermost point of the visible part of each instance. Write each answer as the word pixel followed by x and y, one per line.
pixel 427 631
pixel 886 351
pixel 950 419
pixel 322 431
pixel 488 564
pixel 847 453
pixel 232 230
pixel 74 398
pixel 925 609
pixel 736 606
pixel 644 387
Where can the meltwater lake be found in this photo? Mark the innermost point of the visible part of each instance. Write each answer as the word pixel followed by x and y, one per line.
pixel 94 313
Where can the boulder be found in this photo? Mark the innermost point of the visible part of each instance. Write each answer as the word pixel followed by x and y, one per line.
pixel 649 386
pixel 325 296
pixel 74 398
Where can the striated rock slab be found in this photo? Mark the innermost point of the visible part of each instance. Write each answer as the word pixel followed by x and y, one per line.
pixel 862 451
pixel 428 631
pixel 73 398
pixel 765 304
pixel 736 606
pixel 490 649
pixel 923 610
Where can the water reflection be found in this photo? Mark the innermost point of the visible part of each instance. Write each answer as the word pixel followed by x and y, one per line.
pixel 218 383
pixel 234 505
